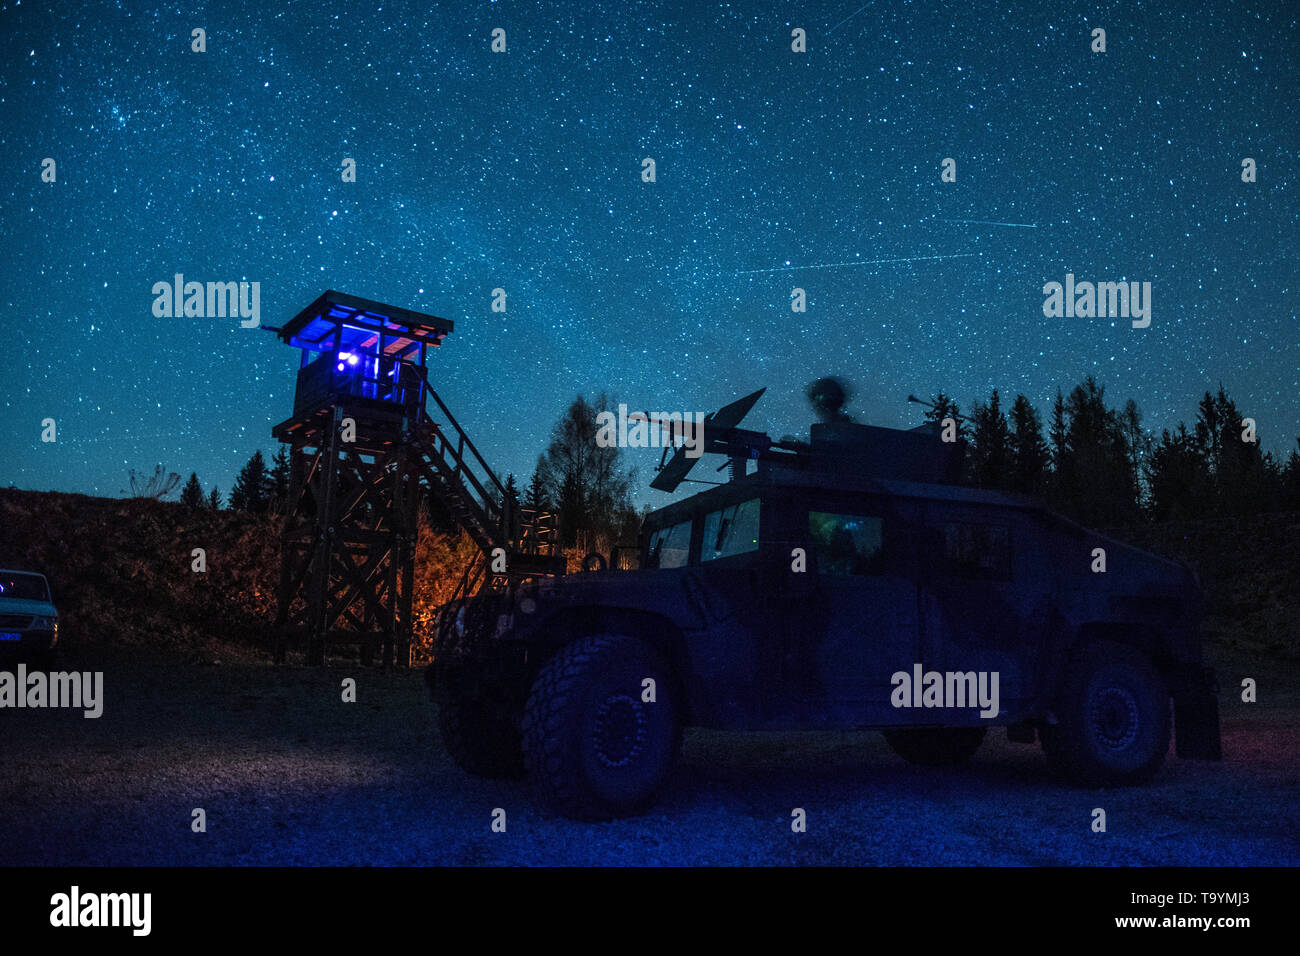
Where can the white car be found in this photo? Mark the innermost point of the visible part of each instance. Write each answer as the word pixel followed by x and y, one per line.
pixel 29 622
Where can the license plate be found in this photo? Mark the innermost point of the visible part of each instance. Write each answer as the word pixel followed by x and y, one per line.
pixel 10 636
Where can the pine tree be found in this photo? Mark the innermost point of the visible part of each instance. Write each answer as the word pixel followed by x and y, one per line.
pixel 1097 487
pixel 1029 454
pixel 1270 479
pixel 1209 433
pixel 192 493
pixel 280 479
pixel 1058 431
pixel 1178 480
pixel 1139 446
pixel 1242 479
pixel 214 499
pixel 944 407
pixel 252 491
pixel 1290 481
pixel 991 441
pixel 511 488
pixel 536 496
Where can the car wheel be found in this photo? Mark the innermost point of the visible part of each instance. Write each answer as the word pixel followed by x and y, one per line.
pixel 482 735
pixel 936 746
pixel 1112 715
pixel 594 747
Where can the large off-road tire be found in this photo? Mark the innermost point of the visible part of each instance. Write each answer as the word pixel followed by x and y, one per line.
pixel 936 746
pixel 1112 715
pixel 482 736
pixel 593 747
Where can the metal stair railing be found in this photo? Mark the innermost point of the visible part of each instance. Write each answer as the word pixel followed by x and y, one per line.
pixel 471 488
pixel 455 470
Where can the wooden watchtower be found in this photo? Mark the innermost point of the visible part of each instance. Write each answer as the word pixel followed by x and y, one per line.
pixel 369 436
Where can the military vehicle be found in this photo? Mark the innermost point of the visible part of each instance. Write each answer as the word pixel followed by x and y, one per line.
pixel 845 582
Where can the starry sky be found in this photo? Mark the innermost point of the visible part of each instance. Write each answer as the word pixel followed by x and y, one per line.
pixel 522 170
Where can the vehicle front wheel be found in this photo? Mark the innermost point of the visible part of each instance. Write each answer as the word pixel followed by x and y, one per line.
pixel 1112 715
pixel 936 746
pixel 595 744
pixel 482 736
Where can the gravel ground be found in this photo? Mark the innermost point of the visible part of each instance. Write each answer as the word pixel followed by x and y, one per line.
pixel 290 775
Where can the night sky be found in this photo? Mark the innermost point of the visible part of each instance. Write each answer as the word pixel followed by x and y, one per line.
pixel 522 170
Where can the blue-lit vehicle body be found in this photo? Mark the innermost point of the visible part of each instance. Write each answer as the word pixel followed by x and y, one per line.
pixel 791 597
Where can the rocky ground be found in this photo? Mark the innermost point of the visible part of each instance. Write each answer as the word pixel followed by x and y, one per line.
pixel 288 774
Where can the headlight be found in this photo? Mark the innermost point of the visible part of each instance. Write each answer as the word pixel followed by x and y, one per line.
pixel 45 623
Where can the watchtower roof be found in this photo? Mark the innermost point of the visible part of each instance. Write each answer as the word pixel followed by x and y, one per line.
pixel 358 322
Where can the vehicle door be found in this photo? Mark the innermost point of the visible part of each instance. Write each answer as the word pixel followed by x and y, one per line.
pixel 983 609
pixel 855 624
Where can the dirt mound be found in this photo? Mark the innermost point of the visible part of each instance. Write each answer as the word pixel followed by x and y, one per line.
pixel 121 569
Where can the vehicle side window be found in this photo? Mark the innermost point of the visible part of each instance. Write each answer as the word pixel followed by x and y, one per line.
pixel 979 551
pixel 730 531
pixel 670 547
pixel 846 544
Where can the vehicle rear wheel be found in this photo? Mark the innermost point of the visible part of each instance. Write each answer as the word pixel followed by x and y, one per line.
pixel 594 746
pixel 1112 714
pixel 936 746
pixel 482 735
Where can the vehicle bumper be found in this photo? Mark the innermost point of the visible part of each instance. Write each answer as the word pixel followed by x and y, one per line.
pixel 21 645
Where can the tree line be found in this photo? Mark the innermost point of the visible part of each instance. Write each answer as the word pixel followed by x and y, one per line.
pixel 1100 465
pixel 1096 463
pixel 588 487
pixel 258 488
